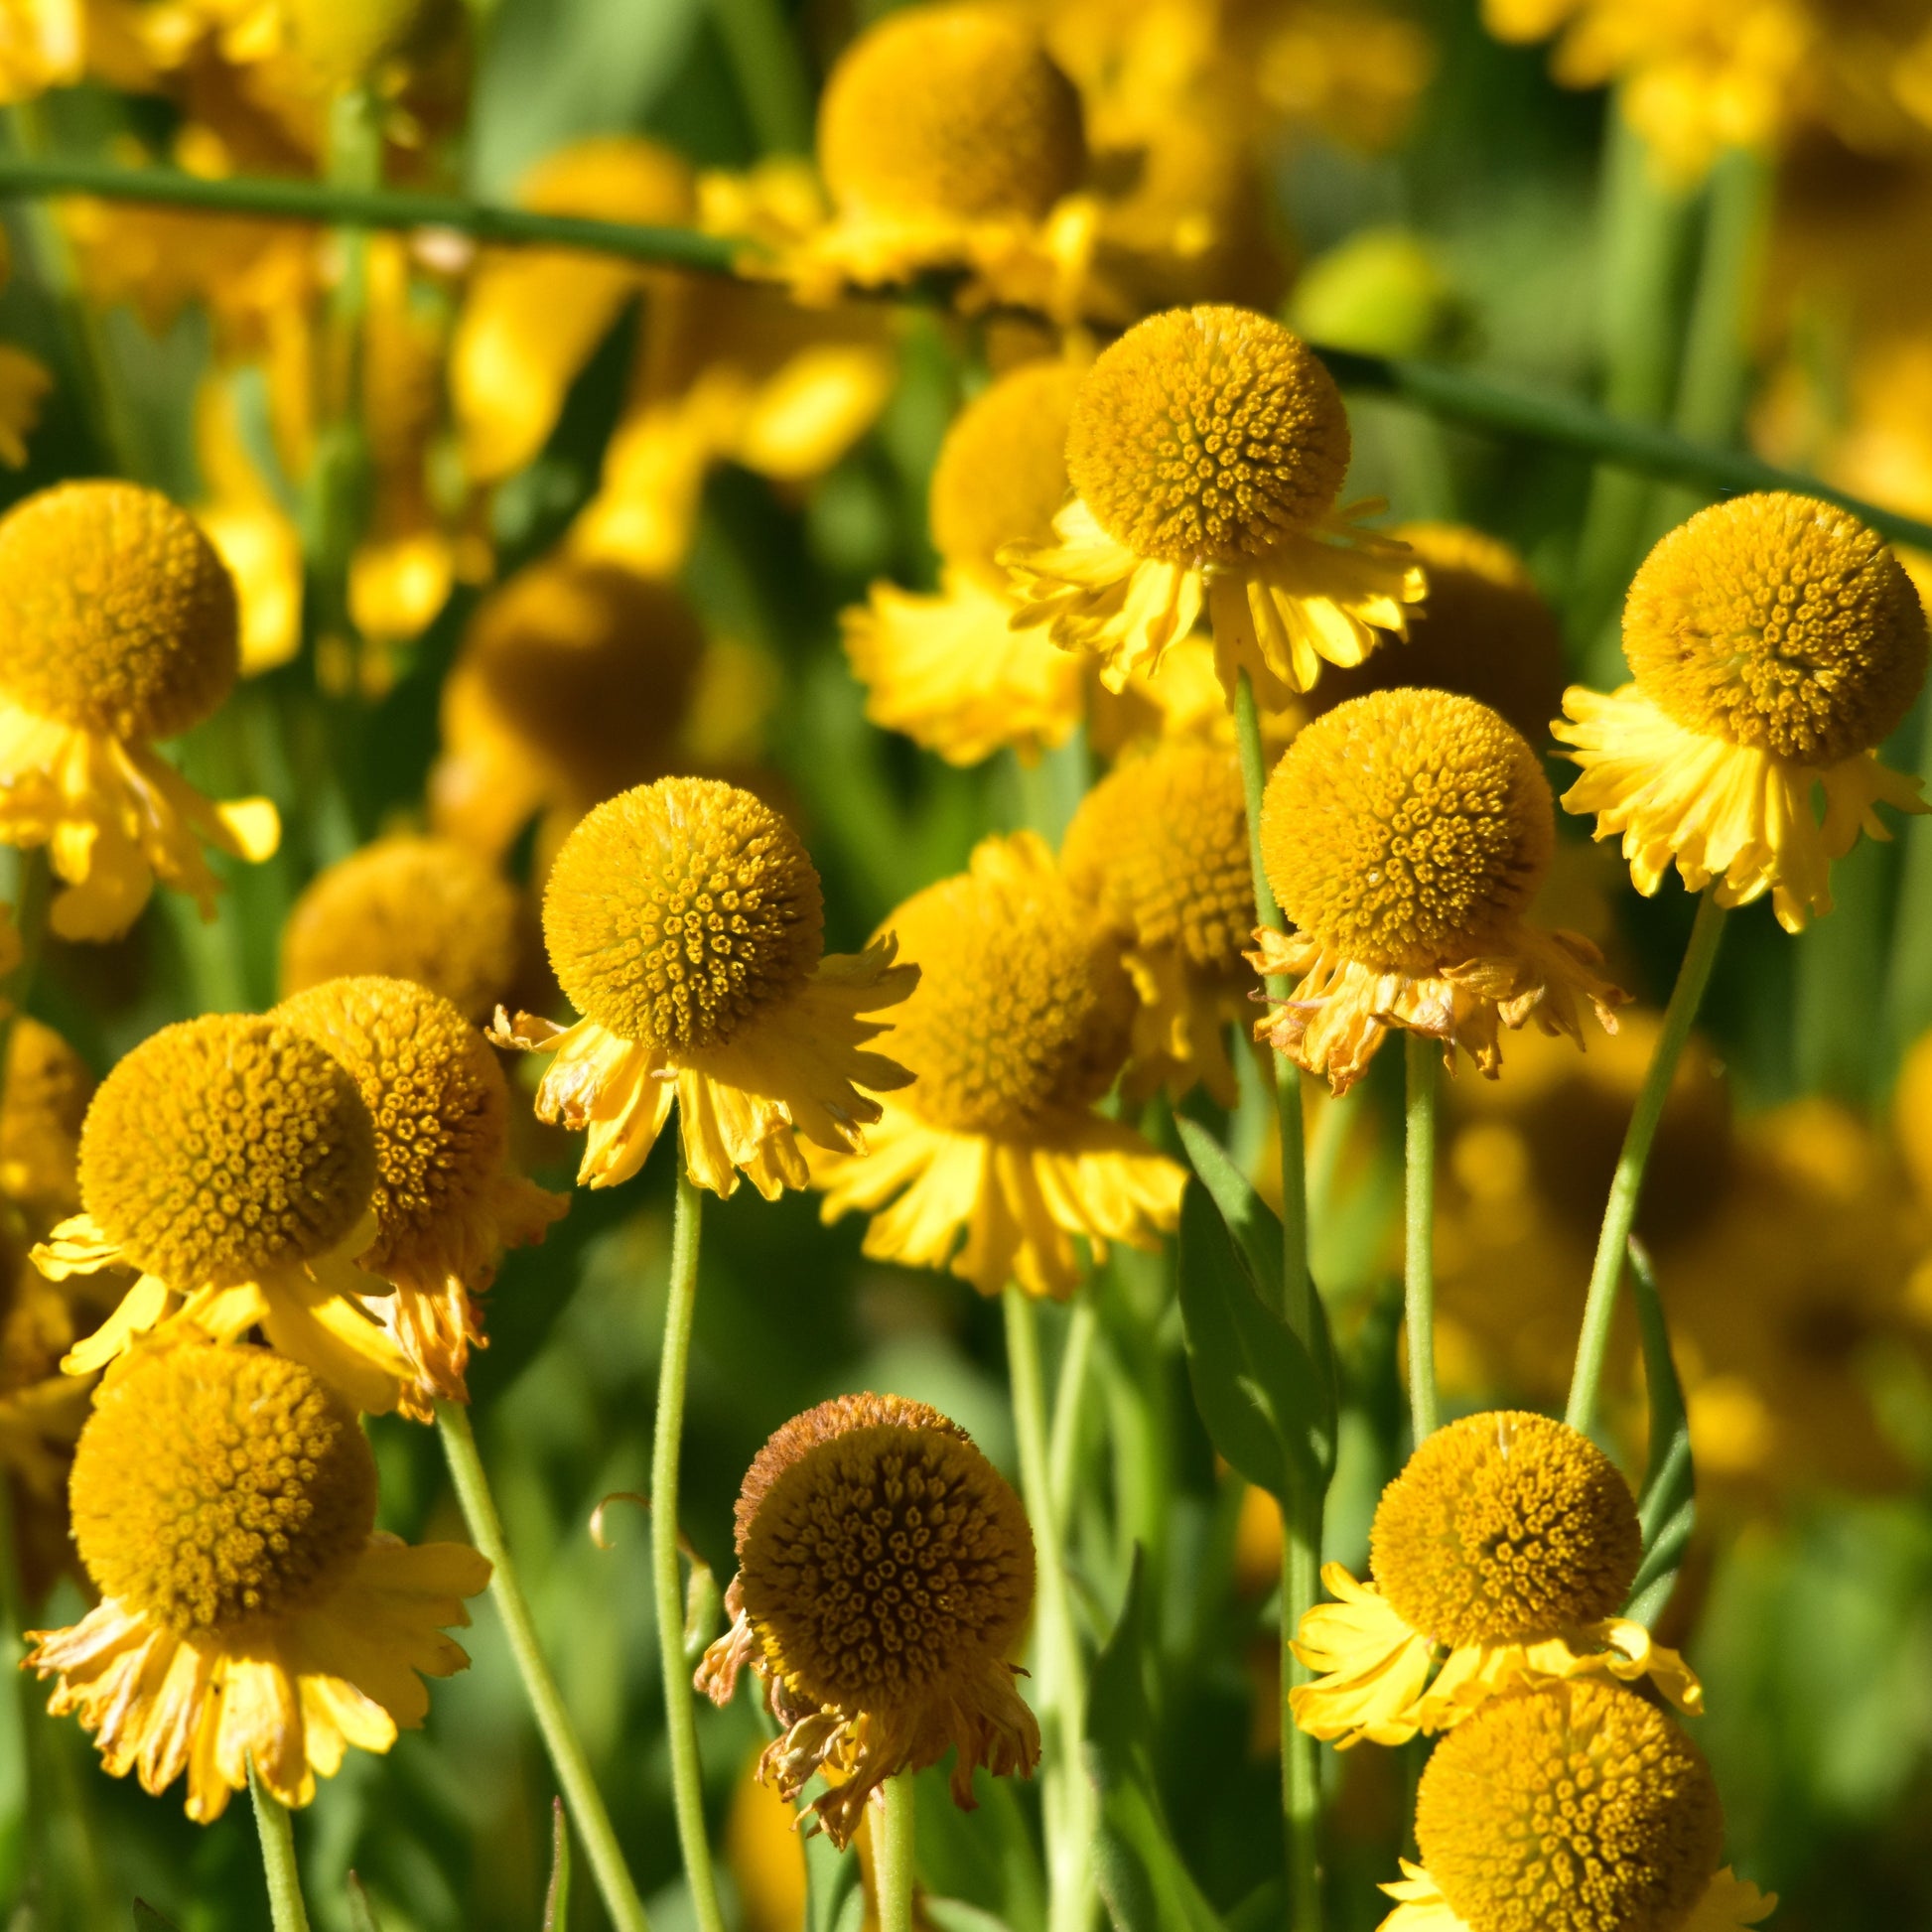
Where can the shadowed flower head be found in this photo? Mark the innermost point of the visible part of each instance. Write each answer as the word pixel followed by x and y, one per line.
pixel 885 1568
pixel 119 626
pixel 1776 642
pixel 225 1508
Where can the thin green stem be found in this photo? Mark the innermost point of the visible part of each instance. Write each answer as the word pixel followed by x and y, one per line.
pixel 892 1868
pixel 764 53
pixel 1420 1062
pixel 1908 972
pixel 667 1592
pixel 1301 1753
pixel 1066 1790
pixel 581 1795
pixel 285 1906
pixel 1621 1212
pixel 1714 383
pixel 1069 1395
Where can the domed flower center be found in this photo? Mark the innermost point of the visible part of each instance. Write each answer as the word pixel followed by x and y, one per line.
pixel 1505 1526
pixel 881 1557
pixel 679 911
pixel 951 112
pixel 1001 476
pixel 223 1147
pixel 119 617
pixel 1575 1808
pixel 437 1098
pixel 1780 624
pixel 1022 1005
pixel 1206 436
pixel 1160 846
pixel 1404 829
pixel 218 1487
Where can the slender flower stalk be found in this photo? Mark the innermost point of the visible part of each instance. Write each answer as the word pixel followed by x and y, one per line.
pixel 1621 1212
pixel 1070 1394
pixel 1419 1231
pixel 893 1865
pixel 286 1910
pixel 615 1884
pixel 680 1718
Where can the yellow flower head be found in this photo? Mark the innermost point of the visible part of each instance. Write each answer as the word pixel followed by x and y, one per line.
pixel 1020 1023
pixel 42 1105
pixel 948 670
pixel 1404 834
pixel 1571 1808
pixel 426 909
pixel 447 1204
pixel 1509 1542
pixel 1161 847
pixel 1208 447
pixel 685 922
pixel 224 1507
pixel 232 1161
pixel 1775 643
pixel 908 1656
pixel 119 625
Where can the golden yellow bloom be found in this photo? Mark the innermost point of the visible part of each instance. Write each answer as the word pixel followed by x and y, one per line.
pixel 1161 848
pixel 42 45
pixel 231 1161
pixel 40 1412
pixel 1574 1808
pixel 1020 1023
pixel 118 627
pixel 426 909
pixel 948 670
pixel 252 532
pixel 224 1506
pixel 1208 446
pixel 24 384
pixel 685 923
pixel 1776 642
pixel 1502 1552
pixel 42 1105
pixel 1405 834
pixel 447 1201
pixel 906 1657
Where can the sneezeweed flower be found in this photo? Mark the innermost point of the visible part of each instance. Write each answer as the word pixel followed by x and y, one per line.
pixel 1404 834
pixel 224 1506
pixel 1208 446
pixel 118 627
pixel 685 923
pixel 447 1201
pixel 947 669
pixel 1161 848
pixel 1775 643
pixel 885 1568
pixel 1501 1553
pixel 995 1161
pixel 231 1161
pixel 1573 1808
pixel 428 909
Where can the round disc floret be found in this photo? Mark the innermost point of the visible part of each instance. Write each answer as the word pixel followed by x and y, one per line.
pixel 1405 829
pixel 1207 435
pixel 677 913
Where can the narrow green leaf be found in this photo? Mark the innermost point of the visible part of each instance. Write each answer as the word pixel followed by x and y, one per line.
pixel 1256 1228
pixel 147 1919
pixel 1667 1509
pixel 361 1914
pixel 556 1899
pixel 956 1915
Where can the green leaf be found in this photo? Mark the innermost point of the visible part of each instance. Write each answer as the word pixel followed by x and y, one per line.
pixel 147 1919
pixel 361 1914
pixel 1254 1226
pixel 556 1899
pixel 956 1915
pixel 1667 1508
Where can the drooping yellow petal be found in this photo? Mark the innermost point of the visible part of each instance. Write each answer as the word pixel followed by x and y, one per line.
pixel 1372 1666
pixel 1422 1906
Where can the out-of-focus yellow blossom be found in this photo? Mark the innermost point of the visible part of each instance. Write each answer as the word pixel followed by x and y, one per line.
pixel 994 1161
pixel 1180 698
pixel 42 45
pixel 41 1416
pixel 1381 292
pixel 43 1102
pixel 252 532
pixel 23 379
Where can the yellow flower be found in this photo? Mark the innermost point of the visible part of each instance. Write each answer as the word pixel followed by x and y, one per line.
pixel 231 1161
pixel 1775 643
pixel 41 1410
pixel 1405 834
pixel 1502 1552
pixel 1161 848
pixel 118 627
pixel 906 1657
pixel 251 533
pixel 42 45
pixel 685 923
pixel 1574 1808
pixel 426 909
pixel 224 1506
pixel 43 1101
pixel 1208 446
pixel 947 669
pixel 1019 1023
pixel 447 1201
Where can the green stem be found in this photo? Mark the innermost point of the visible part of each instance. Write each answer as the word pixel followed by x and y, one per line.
pixel 764 53
pixel 1716 381
pixel 680 1716
pixel 892 1868
pixel 1301 1753
pixel 285 1906
pixel 1066 1790
pixel 1070 1393
pixel 1621 1212
pixel 1420 1061
pixel 1908 973
pixel 581 1795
